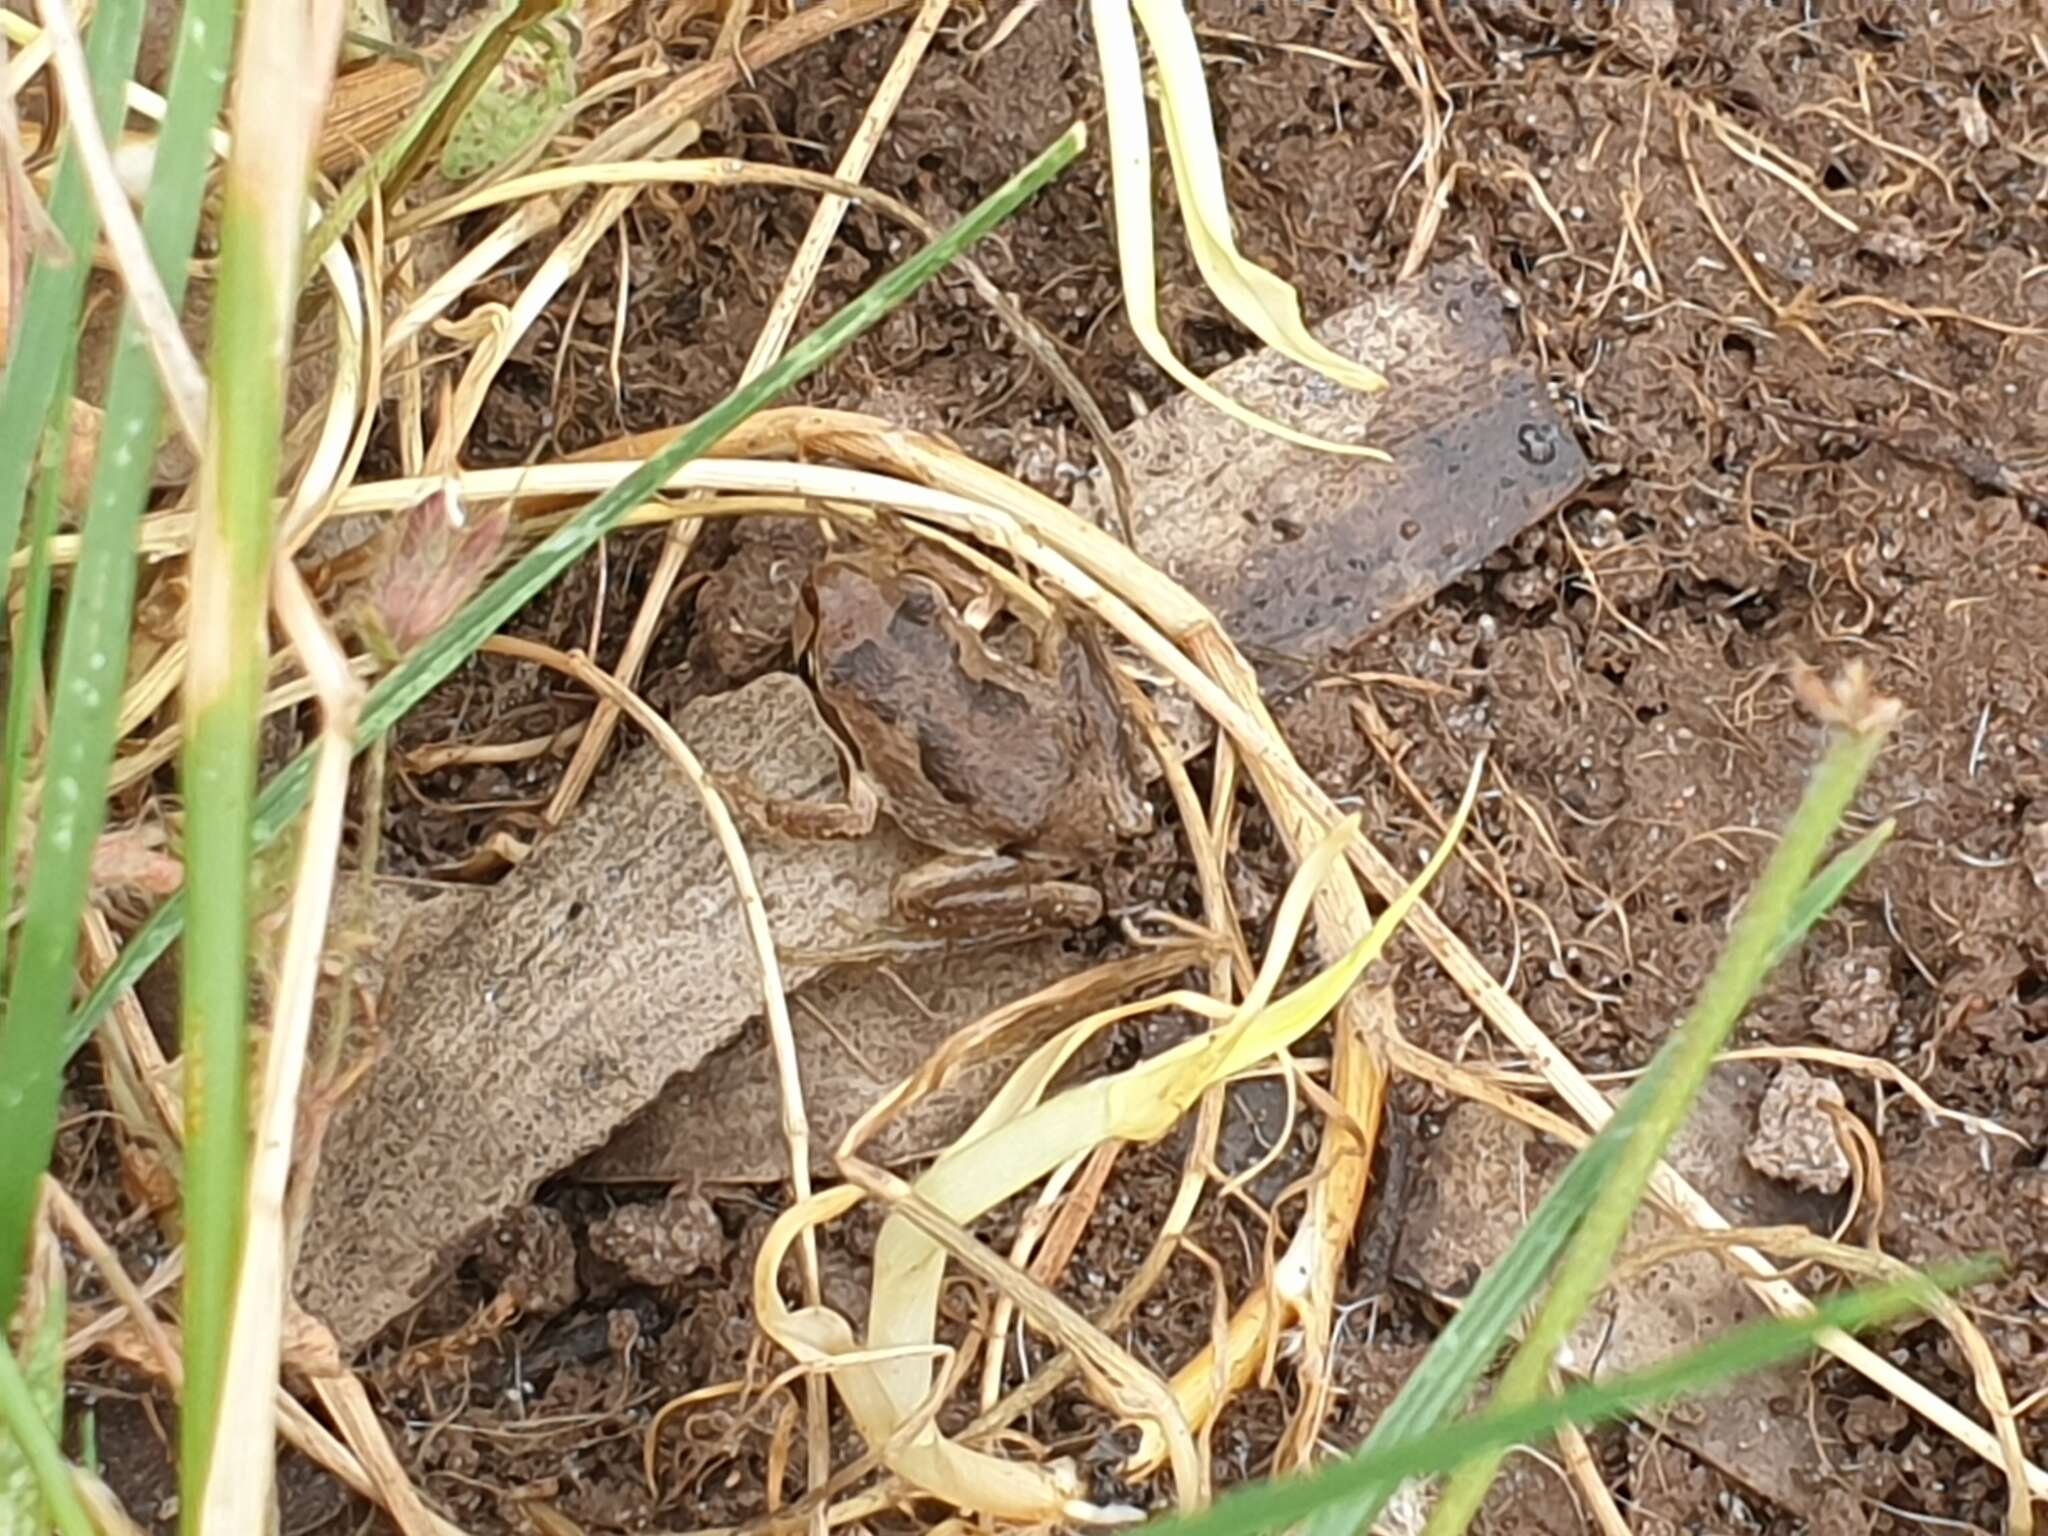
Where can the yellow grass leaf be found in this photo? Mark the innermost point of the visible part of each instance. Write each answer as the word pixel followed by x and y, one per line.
pixel 1262 302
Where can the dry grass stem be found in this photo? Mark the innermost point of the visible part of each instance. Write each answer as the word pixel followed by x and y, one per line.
pixel 184 383
pixel 261 1299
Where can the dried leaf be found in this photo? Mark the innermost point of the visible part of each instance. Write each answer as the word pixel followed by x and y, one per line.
pixel 1265 305
pixel 434 559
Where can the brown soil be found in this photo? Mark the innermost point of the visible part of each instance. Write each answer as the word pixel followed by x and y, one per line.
pixel 1816 444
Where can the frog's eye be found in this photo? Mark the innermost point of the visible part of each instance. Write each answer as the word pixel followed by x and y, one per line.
pixel 922 602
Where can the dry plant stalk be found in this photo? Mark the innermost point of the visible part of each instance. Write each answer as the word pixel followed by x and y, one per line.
pixel 132 1331
pixel 261 1299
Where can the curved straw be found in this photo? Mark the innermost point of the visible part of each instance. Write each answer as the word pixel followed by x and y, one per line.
pixel 1019 1141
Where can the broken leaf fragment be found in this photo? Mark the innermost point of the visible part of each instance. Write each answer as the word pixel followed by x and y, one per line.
pixel 520 102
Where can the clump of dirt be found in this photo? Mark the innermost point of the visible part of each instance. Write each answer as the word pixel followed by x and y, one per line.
pixel 1774 265
pixel 1796 1140
pixel 1857 1007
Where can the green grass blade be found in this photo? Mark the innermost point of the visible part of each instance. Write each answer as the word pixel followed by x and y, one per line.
pixel 198 80
pixel 98 613
pixel 46 336
pixel 61 1505
pixel 170 222
pixel 1473 1339
pixel 133 418
pixel 1270 1505
pixel 1770 914
pixel 35 1485
pixel 32 1049
pixel 1829 886
pixel 25 661
pixel 422 671
pixel 262 222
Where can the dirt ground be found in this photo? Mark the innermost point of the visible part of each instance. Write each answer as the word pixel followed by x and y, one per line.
pixel 1784 268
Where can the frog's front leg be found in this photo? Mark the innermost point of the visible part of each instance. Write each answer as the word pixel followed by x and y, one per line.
pixel 983 894
pixel 809 820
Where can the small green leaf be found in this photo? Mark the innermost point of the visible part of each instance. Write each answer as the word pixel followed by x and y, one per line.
pixel 1828 887
pixel 23 1509
pixel 521 101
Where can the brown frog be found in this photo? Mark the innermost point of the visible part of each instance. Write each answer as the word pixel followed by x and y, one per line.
pixel 1020 773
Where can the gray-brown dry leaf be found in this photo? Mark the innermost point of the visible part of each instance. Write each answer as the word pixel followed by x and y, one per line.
pixel 1308 552
pixel 521 1027
pixel 858 1032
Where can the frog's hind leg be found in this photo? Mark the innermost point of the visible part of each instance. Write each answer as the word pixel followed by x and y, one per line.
pixel 968 894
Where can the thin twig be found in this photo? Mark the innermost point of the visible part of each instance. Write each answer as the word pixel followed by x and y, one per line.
pixel 78 1227
pixel 853 167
